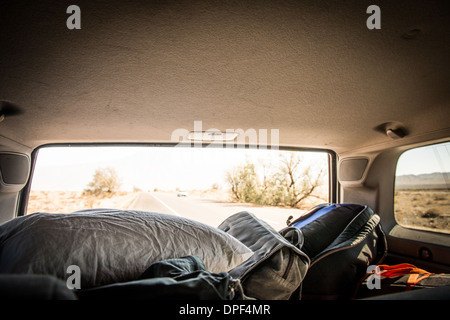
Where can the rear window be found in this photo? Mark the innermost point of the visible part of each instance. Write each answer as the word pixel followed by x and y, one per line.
pixel 422 188
pixel 204 184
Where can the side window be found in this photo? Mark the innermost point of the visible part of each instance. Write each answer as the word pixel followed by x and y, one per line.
pixel 422 188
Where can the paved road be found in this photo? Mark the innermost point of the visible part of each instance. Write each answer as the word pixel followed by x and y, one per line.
pixel 208 211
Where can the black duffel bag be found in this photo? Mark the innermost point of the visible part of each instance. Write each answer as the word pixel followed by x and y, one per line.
pixel 341 243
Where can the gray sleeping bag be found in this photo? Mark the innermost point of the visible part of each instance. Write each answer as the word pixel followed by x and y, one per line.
pixel 278 266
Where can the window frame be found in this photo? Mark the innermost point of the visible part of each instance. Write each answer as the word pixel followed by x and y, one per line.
pixel 395 184
pixel 410 245
pixel 25 192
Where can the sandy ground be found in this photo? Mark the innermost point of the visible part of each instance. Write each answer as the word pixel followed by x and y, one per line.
pixel 424 209
pixel 70 201
pixel 223 196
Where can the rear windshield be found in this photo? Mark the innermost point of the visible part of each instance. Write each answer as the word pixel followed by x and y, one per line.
pixel 204 184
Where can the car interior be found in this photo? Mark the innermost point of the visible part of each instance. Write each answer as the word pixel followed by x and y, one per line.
pixel 364 82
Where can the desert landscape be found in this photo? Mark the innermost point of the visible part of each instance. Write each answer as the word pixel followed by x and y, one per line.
pixel 423 201
pixel 70 201
pixel 423 209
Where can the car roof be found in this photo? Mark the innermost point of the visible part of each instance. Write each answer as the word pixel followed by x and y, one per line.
pixel 137 71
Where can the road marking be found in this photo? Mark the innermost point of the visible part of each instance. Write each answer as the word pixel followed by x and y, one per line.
pixel 165 205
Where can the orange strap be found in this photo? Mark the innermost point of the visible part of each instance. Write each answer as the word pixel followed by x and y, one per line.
pixel 415 279
pixel 402 269
pixel 398 270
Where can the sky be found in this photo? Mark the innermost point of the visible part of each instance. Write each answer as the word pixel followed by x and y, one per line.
pixel 147 168
pixel 429 159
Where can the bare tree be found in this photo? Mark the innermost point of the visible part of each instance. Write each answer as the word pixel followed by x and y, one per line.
pixel 299 184
pixel 291 182
pixel 233 180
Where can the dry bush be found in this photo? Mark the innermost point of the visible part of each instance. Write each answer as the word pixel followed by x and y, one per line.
pixel 105 183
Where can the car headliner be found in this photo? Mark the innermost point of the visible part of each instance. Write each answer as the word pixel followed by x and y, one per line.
pixel 138 70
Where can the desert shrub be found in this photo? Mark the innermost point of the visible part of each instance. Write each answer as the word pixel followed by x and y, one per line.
pixel 243 182
pixel 105 183
pixel 431 213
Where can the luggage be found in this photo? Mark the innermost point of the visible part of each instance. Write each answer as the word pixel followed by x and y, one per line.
pixel 24 287
pixel 277 267
pixel 184 278
pixel 341 240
